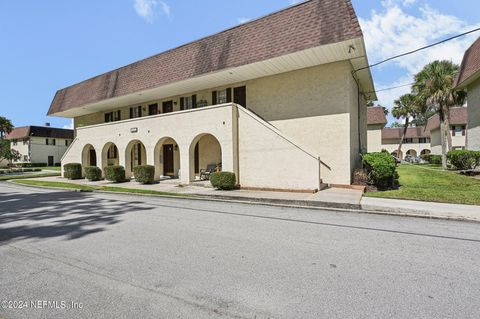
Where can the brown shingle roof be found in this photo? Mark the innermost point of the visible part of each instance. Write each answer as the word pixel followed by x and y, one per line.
pixel 376 115
pixel 39 131
pixel 396 133
pixel 458 116
pixel 300 27
pixel 470 68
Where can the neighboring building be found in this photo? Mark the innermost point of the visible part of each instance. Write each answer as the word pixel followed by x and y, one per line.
pixel 469 79
pixel 40 144
pixel 416 142
pixel 265 100
pixel 376 121
pixel 458 129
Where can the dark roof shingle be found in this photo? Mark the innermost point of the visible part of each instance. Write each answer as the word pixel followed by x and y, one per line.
pixel 458 116
pixel 300 27
pixel 39 131
pixel 396 133
pixel 470 68
pixel 376 115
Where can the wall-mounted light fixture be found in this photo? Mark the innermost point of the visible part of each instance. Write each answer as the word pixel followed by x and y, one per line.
pixel 176 147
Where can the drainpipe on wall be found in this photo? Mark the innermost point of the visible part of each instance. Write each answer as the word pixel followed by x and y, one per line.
pixel 319 174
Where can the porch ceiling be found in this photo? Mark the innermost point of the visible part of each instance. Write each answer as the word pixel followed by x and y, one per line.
pixel 352 50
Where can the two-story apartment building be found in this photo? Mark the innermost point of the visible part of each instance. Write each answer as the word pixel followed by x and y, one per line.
pixel 40 144
pixel 418 140
pixel 277 101
pixel 469 79
pixel 458 129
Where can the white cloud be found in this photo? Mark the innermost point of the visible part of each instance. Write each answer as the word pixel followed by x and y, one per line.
pixel 393 31
pixel 147 9
pixel 69 126
pixel 243 20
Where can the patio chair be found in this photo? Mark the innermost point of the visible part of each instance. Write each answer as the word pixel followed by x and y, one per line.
pixel 205 172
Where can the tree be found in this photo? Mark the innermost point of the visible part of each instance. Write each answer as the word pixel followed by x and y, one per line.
pixel 434 87
pixel 405 107
pixel 8 154
pixel 6 126
pixel 396 124
pixel 422 118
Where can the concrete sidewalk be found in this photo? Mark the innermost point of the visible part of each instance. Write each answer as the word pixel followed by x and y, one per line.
pixel 337 198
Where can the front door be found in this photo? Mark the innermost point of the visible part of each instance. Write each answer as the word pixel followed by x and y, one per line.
pixel 167 107
pixel 93 157
pixel 168 160
pixel 50 161
pixel 240 96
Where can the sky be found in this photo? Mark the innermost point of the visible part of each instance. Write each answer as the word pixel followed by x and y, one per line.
pixel 48 45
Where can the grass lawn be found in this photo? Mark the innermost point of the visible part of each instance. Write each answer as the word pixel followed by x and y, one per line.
pixel 431 183
pixel 24 176
pixel 98 188
pixel 51 168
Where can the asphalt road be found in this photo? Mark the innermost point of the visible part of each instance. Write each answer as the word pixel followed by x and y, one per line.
pixel 121 256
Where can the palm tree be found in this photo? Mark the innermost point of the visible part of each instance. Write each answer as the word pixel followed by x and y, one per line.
pixel 6 126
pixel 434 87
pixel 405 107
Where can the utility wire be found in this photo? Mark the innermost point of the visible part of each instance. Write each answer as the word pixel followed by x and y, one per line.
pixel 390 88
pixel 417 50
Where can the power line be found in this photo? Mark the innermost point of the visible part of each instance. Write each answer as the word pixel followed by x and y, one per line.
pixel 419 49
pixel 391 88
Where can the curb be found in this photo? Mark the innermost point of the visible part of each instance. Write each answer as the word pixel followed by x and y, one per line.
pixel 330 206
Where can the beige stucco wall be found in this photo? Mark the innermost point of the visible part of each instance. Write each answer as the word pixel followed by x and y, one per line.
pixel 37 150
pixel 473 133
pixel 23 149
pixel 374 137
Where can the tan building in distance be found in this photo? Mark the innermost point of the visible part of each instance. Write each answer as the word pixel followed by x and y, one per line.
pixel 272 100
pixel 418 140
pixel 469 79
pixel 40 144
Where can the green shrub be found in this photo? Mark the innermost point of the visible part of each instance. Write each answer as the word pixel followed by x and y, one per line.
pixel 144 174
pixel 93 173
pixel 223 180
pixel 72 171
pixel 382 169
pixel 435 159
pixel 31 164
pixel 115 173
pixel 464 160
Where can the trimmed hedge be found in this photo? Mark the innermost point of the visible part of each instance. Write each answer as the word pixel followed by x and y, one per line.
pixel 223 180
pixel 464 160
pixel 31 165
pixel 144 174
pixel 93 173
pixel 115 173
pixel 382 169
pixel 435 159
pixel 72 171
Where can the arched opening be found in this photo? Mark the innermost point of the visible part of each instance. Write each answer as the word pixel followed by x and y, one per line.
pixel 394 153
pixel 110 156
pixel 411 153
pixel 425 152
pixel 205 156
pixel 167 158
pixel 135 155
pixel 89 156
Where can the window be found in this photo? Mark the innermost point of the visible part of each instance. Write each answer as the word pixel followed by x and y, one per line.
pixel 112 116
pixel 153 109
pixel 112 152
pixel 423 140
pixel 135 112
pixel 408 140
pixel 221 97
pixel 14 142
pixel 66 142
pixel 50 141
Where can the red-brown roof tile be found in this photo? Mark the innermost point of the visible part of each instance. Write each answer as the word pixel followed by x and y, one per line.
pixel 458 116
pixel 376 115
pixel 396 133
pixel 300 27
pixel 470 68
pixel 39 131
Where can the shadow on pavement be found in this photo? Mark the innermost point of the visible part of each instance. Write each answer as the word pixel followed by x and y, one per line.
pixel 53 214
